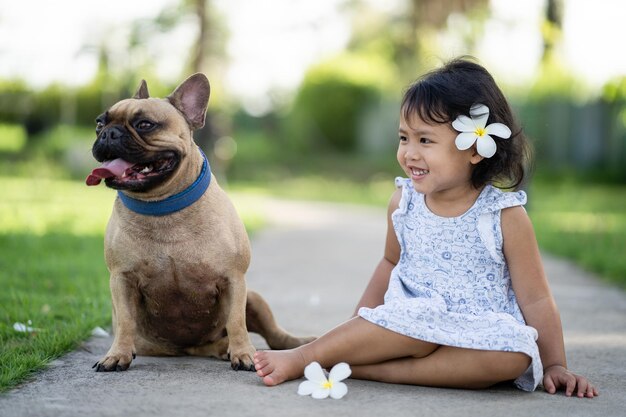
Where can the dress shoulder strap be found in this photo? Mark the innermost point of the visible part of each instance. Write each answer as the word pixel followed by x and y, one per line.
pixel 494 199
pixel 408 193
pixel 489 225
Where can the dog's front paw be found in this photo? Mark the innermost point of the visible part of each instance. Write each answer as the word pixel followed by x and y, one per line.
pixel 114 362
pixel 241 358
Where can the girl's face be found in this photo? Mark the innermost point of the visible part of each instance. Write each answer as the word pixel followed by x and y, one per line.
pixel 428 156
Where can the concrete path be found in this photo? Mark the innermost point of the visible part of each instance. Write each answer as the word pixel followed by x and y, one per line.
pixel 312 265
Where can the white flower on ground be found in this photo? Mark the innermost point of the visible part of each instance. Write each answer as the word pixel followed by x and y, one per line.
pixel 319 386
pixel 473 130
pixel 23 328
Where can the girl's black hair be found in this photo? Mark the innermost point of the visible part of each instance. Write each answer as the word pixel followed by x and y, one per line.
pixel 440 96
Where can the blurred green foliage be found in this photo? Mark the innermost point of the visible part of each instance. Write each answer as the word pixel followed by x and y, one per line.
pixel 615 90
pixel 576 132
pixel 330 102
pixel 583 222
pixel 343 106
pixel 40 110
pixel 12 138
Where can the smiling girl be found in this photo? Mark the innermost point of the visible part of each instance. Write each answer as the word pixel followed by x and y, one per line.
pixel 459 298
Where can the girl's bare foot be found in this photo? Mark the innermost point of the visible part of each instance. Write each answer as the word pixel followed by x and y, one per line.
pixel 278 366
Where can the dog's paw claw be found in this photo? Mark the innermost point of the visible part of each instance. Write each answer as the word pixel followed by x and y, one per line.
pixel 114 363
pixel 242 366
pixel 116 368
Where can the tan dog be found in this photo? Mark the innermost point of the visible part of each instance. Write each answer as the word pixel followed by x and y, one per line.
pixel 176 250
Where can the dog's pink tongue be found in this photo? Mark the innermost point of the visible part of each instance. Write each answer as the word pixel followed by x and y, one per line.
pixel 114 168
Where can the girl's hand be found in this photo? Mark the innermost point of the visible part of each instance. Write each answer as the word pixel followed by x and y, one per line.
pixel 558 376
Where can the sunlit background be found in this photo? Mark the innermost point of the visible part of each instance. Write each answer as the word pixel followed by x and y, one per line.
pixel 274 64
pixel 270 44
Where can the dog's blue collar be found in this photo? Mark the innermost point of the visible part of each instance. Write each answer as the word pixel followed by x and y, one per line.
pixel 173 203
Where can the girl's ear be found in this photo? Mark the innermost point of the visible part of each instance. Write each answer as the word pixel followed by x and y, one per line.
pixel 476 157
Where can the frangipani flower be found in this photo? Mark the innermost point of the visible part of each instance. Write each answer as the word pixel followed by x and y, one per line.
pixel 318 386
pixel 474 130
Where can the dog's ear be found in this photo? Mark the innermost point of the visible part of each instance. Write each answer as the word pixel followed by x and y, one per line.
pixel 142 91
pixel 192 98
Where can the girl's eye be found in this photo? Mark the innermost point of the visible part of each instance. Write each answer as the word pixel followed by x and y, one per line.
pixel 403 139
pixel 425 140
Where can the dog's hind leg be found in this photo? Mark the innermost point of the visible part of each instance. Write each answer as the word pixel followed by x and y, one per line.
pixel 259 319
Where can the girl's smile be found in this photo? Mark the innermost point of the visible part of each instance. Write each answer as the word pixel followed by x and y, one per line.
pixel 417 173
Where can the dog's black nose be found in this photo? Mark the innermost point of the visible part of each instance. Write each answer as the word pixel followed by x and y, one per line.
pixel 112 142
pixel 113 133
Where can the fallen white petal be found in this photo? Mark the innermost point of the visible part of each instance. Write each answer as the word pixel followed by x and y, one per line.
pixel 21 327
pixel 99 332
pixel 338 390
pixel 339 372
pixel 320 393
pixel 307 387
pixel 314 372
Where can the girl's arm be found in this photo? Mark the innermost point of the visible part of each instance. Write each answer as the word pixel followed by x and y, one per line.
pixel 537 304
pixel 375 291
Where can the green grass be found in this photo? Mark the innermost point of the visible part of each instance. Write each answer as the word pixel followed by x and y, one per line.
pixel 55 283
pixel 583 222
pixel 52 271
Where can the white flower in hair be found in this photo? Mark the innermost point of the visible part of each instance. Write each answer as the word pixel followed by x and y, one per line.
pixel 473 130
pixel 318 386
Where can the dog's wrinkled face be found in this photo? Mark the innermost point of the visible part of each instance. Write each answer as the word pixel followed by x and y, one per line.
pixel 142 141
pixel 136 147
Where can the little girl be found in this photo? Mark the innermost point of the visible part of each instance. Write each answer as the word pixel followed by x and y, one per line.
pixel 460 298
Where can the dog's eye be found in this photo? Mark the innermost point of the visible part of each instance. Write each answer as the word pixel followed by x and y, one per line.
pixel 144 125
pixel 99 125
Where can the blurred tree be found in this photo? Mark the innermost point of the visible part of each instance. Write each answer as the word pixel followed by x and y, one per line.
pixel 207 55
pixel 434 15
pixel 408 34
pixel 552 28
pixel 121 65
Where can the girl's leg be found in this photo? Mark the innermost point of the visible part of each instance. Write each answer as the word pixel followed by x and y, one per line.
pixel 450 367
pixel 357 341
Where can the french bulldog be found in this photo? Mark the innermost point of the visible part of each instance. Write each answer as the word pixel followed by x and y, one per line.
pixel 175 247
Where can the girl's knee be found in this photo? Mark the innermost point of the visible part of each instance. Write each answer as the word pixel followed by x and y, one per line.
pixel 496 367
pixel 507 365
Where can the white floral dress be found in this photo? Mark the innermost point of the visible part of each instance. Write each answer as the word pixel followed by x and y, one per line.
pixel 451 285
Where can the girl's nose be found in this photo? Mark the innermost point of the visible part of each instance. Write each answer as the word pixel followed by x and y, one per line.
pixel 411 154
